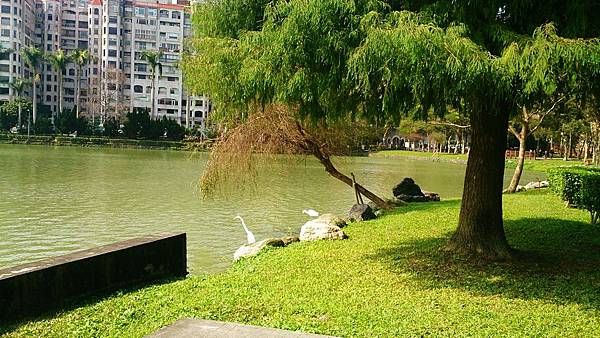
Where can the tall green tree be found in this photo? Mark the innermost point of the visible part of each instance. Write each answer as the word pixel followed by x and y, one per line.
pixel 59 61
pixel 378 61
pixel 153 60
pixel 81 58
pixel 19 85
pixel 33 57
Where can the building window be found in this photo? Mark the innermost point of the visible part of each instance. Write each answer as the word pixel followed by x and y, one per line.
pixel 138 89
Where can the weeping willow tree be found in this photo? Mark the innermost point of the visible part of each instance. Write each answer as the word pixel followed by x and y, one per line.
pixel 376 61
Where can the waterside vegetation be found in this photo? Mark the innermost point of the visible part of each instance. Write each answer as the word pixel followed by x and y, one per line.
pixel 392 277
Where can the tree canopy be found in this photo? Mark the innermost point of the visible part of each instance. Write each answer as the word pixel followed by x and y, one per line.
pixel 377 61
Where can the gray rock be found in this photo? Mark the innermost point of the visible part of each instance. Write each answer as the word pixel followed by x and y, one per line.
pixel 361 212
pixel 323 227
pixel 537 185
pixel 333 219
pixel 250 250
pixel 407 187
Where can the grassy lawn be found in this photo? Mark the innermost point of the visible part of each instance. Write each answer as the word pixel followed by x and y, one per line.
pixel 408 153
pixel 530 165
pixel 391 278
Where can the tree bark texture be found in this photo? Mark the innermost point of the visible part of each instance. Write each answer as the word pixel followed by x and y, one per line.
pixel 480 229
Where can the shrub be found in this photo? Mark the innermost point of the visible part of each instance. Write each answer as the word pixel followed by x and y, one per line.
pixel 579 187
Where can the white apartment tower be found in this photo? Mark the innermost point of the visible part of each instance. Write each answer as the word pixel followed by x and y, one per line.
pixel 17 22
pixel 115 32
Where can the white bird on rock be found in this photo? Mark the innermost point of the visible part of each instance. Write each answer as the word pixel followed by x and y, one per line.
pixel 311 212
pixel 249 233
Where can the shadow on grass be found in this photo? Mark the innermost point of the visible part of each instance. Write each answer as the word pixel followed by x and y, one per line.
pixel 10 325
pixel 555 260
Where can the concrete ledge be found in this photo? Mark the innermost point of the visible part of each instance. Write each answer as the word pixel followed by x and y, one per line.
pixel 213 329
pixel 34 288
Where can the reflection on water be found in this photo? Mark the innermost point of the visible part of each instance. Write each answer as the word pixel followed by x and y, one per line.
pixel 55 200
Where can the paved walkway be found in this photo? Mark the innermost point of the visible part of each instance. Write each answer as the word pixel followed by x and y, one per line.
pixel 213 329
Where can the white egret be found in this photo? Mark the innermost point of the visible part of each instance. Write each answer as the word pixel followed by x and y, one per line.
pixel 311 212
pixel 249 233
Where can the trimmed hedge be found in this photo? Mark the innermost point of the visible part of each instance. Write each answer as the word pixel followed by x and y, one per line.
pixel 92 141
pixel 578 186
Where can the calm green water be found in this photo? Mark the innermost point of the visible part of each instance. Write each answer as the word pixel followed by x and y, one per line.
pixel 55 200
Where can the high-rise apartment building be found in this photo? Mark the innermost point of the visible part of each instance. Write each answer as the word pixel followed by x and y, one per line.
pixel 115 32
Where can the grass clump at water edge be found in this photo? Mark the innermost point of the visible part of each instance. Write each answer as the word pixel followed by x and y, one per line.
pixel 391 278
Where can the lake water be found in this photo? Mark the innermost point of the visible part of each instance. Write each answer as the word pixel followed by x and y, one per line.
pixel 55 200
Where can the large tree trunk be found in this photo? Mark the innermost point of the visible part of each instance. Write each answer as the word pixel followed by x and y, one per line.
pixel 522 137
pixel 480 229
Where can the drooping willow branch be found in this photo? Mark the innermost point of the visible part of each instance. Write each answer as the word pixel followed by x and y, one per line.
pixel 275 131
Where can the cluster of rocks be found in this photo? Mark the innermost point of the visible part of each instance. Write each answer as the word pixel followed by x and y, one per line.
pixel 329 226
pixel 530 186
pixel 324 227
pixel 409 191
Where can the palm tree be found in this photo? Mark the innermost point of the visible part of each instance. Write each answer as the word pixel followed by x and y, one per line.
pixel 153 59
pixel 80 58
pixel 18 85
pixel 59 61
pixel 33 57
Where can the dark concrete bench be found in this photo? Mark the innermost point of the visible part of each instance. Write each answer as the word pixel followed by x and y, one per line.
pixel 42 286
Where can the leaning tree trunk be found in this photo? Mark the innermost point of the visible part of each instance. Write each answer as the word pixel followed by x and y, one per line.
pixel 514 183
pixel 315 149
pixel 480 229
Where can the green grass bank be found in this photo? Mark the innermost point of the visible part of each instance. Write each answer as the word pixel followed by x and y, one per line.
pixel 390 278
pixel 530 165
pixel 92 141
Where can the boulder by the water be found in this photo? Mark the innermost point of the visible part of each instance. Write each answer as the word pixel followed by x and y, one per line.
pixel 409 191
pixel 361 212
pixel 537 185
pixel 333 219
pixel 250 250
pixel 407 187
pixel 324 227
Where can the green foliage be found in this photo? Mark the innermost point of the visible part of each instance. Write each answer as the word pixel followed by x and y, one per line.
pixel 68 123
pixel 9 113
pixel 398 283
pixel 173 130
pixel 578 186
pixel 139 125
pixel 8 116
pixel 111 127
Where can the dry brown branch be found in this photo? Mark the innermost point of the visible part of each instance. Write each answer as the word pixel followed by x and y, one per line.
pixel 275 131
